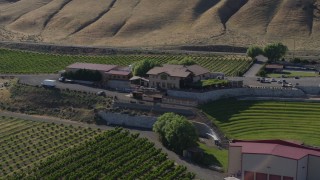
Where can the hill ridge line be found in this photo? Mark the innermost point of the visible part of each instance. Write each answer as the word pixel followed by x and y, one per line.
pixel 56 12
pixel 94 19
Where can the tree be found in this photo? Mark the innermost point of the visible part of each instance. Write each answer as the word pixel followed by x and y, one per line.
pixel 254 51
pixel 142 67
pixel 176 132
pixel 187 61
pixel 275 51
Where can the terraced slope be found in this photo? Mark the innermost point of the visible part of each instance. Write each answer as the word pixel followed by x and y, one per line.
pixel 167 22
pixel 267 120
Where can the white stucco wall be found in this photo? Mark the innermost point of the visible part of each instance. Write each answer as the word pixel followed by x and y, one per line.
pixel 269 164
pixel 314 168
pixel 302 168
pixel 154 79
pixel 234 160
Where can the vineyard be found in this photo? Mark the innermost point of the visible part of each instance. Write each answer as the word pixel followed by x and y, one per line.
pixel 111 155
pixel 267 120
pixel 25 143
pixel 31 63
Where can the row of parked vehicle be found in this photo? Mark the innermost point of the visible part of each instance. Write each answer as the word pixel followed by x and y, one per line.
pixel 270 80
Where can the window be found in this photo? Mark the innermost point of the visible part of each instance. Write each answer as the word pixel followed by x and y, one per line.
pixel 163 85
pixel 164 77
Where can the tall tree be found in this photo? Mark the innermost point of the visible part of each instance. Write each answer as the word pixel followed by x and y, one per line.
pixel 276 51
pixel 254 51
pixel 142 67
pixel 176 132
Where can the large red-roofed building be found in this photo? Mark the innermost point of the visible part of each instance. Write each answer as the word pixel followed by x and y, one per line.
pixel 273 160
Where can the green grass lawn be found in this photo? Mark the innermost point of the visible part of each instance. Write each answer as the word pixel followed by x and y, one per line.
pixel 215 156
pixel 267 120
pixel 293 74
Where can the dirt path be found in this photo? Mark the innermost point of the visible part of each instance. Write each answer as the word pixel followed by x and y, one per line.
pixel 202 173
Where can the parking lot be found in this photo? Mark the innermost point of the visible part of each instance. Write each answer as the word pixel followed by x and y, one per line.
pixel 252 81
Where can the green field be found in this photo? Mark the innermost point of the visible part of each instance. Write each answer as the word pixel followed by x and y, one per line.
pixel 34 150
pixel 288 73
pixel 30 62
pixel 215 156
pixel 298 121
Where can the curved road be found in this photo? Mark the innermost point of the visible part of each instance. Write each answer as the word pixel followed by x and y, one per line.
pixel 202 173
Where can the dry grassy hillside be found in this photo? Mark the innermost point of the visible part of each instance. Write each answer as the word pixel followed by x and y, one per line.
pixel 166 22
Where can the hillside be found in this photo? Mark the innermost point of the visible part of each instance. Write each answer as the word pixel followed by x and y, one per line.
pixel 160 23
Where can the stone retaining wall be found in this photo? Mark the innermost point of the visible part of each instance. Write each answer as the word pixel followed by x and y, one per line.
pixel 203 97
pixel 127 120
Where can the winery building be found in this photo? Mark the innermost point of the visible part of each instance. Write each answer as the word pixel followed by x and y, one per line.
pixel 176 76
pixel 273 160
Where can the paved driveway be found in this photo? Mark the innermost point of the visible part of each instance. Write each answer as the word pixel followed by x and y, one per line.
pixel 36 80
pixel 261 60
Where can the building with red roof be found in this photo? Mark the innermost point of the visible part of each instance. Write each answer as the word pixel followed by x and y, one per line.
pixel 273 160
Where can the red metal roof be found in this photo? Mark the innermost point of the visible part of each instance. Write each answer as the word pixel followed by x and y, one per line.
pixel 90 66
pixel 275 147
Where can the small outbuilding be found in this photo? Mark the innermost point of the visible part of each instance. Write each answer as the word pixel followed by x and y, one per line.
pixel 274 68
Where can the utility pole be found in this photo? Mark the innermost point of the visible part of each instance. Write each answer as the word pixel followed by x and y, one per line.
pixel 294 47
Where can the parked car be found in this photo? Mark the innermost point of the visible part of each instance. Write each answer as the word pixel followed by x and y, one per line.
pixel 296 77
pixel 101 93
pixel 279 81
pixel 69 81
pixel 273 80
pixel 62 79
pixel 48 83
pixel 216 168
pixel 258 79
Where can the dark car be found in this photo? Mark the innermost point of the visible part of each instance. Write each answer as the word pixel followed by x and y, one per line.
pixel 296 77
